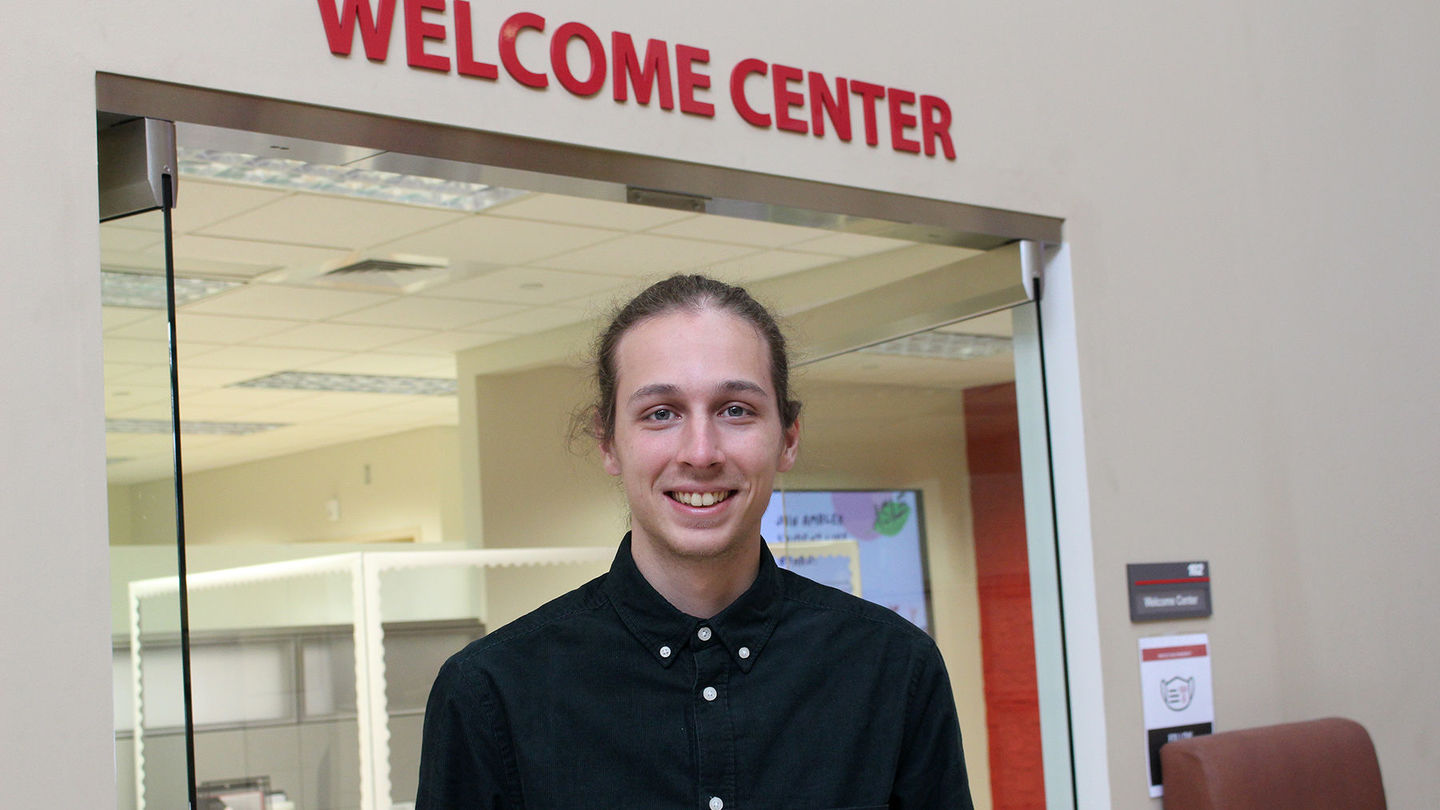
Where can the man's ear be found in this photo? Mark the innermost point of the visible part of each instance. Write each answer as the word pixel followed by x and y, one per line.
pixel 612 463
pixel 790 447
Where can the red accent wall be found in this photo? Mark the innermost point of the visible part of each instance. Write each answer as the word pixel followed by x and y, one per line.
pixel 1007 641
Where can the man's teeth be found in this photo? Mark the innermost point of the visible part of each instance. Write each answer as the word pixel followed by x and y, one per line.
pixel 700 498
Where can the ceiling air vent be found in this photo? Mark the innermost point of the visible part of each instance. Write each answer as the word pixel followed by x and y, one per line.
pixel 388 275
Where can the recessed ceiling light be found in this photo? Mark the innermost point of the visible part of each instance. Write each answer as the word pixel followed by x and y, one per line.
pixel 353 383
pixel 943 346
pixel 119 288
pixel 368 184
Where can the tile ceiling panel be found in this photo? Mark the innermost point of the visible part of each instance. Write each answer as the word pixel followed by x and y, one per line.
pixel 530 285
pixel 129 350
pixel 851 244
pixel 312 219
pixel 339 337
pixel 115 317
pixel 200 204
pixel 255 253
pixel 564 210
pixel 771 263
pixel 641 255
pixel 289 302
pixel 433 313
pixel 396 365
pixel 534 320
pixel 191 326
pixel 739 231
pixel 152 327
pixel 246 398
pixel 267 359
pixel 491 240
pixel 156 376
pixel 445 344
pixel 124 240
pixel 197 379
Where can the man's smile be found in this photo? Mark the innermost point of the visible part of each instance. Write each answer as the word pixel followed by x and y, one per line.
pixel 701 498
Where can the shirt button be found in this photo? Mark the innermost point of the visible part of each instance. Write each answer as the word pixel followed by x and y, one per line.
pixel 716 803
pixel 743 652
pixel 703 633
pixel 664 652
pixel 710 693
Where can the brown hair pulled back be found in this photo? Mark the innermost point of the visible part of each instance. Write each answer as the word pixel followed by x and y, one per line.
pixel 694 293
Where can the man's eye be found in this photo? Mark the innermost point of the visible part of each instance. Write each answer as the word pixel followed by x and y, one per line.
pixel 661 415
pixel 736 411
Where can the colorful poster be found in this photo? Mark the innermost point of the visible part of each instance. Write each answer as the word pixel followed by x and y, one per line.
pixel 886 524
pixel 1177 694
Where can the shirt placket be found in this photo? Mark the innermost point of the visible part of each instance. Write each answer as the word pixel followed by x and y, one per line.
pixel 714 731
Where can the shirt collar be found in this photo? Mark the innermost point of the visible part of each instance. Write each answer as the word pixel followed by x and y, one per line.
pixel 742 628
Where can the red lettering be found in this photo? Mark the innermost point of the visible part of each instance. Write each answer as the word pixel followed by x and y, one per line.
pixel 508 34
pixel 374 31
pixel 901 121
pixel 869 94
pixel 560 58
pixel 653 71
pixel 743 70
pixel 417 31
pixel 465 62
pixel 780 78
pixel 836 107
pixel 686 57
pixel 935 124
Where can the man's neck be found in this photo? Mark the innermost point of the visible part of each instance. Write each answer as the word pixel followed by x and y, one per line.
pixel 697 586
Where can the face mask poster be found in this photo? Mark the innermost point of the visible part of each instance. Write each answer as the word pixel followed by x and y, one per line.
pixel 1177 695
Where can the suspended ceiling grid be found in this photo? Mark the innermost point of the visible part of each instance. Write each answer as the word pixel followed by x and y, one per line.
pixel 533 264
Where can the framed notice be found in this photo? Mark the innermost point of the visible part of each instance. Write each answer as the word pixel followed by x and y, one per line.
pixel 1176 692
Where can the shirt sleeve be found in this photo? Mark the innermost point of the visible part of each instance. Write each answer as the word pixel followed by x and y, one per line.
pixel 930 774
pixel 466 762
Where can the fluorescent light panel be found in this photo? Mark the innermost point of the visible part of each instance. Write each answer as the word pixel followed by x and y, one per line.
pixel 162 426
pixel 943 346
pixel 144 291
pixel 367 184
pixel 353 383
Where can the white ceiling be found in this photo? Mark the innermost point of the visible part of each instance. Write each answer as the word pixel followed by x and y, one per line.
pixel 532 264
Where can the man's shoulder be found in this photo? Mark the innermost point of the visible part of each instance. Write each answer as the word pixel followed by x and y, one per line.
pixel 806 594
pixel 519 638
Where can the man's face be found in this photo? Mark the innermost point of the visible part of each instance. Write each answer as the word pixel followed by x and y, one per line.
pixel 698 437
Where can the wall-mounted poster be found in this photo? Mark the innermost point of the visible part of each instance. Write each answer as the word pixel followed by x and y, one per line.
pixel 888 527
pixel 1177 694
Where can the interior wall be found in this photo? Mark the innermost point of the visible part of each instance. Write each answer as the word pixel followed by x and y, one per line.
pixel 412 491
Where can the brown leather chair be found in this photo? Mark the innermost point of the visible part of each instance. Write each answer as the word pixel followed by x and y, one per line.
pixel 1325 764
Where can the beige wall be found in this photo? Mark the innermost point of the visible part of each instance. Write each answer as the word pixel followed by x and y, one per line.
pixel 413 492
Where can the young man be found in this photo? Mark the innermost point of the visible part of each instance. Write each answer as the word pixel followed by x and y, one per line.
pixel 695 674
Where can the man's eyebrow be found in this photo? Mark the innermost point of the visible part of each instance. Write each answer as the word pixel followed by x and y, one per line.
pixel 655 390
pixel 671 390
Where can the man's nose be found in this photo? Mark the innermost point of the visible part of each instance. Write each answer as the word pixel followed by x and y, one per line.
pixel 701 444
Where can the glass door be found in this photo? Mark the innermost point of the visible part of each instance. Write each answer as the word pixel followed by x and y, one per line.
pixel 142 442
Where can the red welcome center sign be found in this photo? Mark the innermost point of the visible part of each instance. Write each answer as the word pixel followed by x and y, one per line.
pixel 764 94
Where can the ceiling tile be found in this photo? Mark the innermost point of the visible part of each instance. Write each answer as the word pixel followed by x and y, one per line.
pixel 769 264
pixel 116 317
pixel 643 255
pixel 530 285
pixel 565 210
pixel 199 379
pixel 151 327
pixel 538 319
pixel 739 231
pixel 312 219
pixel 492 240
pixel 128 350
pixel 399 365
pixel 201 203
pixel 255 253
pixel 851 244
pixel 244 399
pixel 445 344
pixel 261 359
pixel 339 337
pixel 434 313
pixel 192 326
pixel 114 238
pixel 261 300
